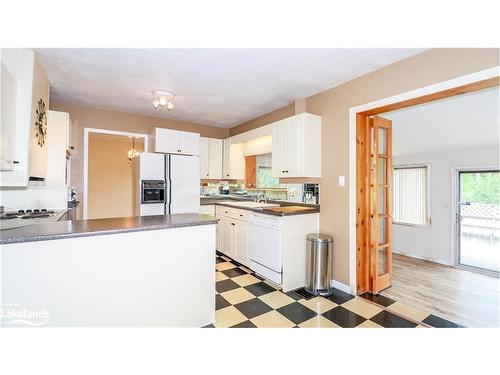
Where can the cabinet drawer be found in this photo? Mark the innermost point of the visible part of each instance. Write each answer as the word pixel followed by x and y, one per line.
pixel 233 213
pixel 223 211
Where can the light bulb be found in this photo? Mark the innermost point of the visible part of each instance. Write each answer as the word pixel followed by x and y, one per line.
pixel 155 104
pixel 170 105
pixel 163 101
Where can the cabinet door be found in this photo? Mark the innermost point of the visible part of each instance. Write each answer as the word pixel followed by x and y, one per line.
pixel 226 156
pixel 167 141
pixel 219 231
pixel 280 149
pixel 204 157
pixel 237 162
pixel 241 242
pixel 295 148
pixel 189 143
pixel 215 165
pixel 8 120
pixel 227 237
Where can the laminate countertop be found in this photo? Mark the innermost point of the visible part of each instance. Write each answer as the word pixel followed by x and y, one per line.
pixel 226 200
pixel 98 227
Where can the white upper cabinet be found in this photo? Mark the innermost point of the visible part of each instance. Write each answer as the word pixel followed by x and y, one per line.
pixel 211 158
pixel 189 143
pixel 24 84
pixel 226 166
pixel 204 157
pixel 171 141
pixel 215 165
pixel 297 146
pixel 59 128
pixel 236 162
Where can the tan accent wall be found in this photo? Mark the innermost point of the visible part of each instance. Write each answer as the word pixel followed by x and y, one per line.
pixel 111 176
pixel 268 118
pixel 430 67
pixel 85 117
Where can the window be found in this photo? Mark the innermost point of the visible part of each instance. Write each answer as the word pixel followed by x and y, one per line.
pixel 264 176
pixel 410 196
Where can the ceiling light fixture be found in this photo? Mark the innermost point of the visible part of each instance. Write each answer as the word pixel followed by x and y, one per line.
pixel 164 99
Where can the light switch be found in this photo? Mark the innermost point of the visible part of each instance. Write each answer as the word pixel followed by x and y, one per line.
pixel 341 180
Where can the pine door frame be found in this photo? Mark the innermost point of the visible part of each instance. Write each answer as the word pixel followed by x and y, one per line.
pixel 358 162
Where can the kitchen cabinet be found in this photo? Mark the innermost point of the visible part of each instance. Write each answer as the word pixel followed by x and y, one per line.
pixel 236 162
pixel 171 141
pixel 211 150
pixel 215 159
pixel 232 234
pixel 240 241
pixel 24 84
pixel 297 147
pixel 226 167
pixel 204 157
pixel 59 142
pixel 227 236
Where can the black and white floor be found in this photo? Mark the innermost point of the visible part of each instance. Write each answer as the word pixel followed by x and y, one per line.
pixel 245 300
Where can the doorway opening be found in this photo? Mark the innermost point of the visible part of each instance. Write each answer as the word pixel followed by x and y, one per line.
pixel 478 220
pixel 380 180
pixel 108 189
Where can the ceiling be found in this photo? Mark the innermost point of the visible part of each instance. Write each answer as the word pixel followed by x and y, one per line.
pixel 218 87
pixel 464 121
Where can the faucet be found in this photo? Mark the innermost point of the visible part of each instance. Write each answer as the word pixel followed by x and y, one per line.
pixel 261 197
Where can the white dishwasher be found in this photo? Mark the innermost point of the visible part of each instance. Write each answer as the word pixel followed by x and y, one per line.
pixel 265 246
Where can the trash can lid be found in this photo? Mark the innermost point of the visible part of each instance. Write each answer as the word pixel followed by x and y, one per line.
pixel 319 237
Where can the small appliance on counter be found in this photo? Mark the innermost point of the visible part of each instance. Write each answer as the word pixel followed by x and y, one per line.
pixel 224 188
pixel 311 194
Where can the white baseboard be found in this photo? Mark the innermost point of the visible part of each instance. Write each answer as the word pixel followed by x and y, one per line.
pixel 338 285
pixel 440 261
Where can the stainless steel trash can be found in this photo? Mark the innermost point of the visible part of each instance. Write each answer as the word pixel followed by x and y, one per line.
pixel 319 261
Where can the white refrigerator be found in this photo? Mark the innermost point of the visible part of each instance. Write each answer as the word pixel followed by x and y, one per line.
pixel 167 184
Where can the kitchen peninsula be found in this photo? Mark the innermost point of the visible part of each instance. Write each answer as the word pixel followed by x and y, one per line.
pixel 113 272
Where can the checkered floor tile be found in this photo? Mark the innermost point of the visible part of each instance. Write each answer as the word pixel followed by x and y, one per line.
pixel 245 300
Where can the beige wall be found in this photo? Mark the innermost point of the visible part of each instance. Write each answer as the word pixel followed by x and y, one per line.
pixel 111 186
pixel 333 105
pixel 84 117
pixel 268 118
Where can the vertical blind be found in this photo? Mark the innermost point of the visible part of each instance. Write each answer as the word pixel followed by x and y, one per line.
pixel 410 195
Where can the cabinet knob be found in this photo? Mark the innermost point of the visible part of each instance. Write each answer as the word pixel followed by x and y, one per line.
pixel 286 171
pixel 233 224
pixel 241 215
pixel 282 171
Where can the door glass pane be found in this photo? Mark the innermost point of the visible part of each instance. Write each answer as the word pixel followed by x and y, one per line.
pixel 382 136
pixel 382 171
pixel 381 192
pixel 382 261
pixel 479 219
pixel 382 230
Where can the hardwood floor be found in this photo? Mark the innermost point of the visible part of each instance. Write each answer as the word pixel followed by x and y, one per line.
pixel 467 298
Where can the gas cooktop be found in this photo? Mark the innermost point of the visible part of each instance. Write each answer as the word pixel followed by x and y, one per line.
pixel 28 214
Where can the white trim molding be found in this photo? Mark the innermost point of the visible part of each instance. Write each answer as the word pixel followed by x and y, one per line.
pixel 341 286
pixel 427 90
pixel 86 132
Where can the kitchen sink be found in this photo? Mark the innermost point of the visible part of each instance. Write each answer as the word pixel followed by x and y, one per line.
pixel 250 204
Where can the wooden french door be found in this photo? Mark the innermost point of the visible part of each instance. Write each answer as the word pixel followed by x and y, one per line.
pixel 380 197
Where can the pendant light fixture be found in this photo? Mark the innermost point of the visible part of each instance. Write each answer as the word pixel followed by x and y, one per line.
pixel 133 152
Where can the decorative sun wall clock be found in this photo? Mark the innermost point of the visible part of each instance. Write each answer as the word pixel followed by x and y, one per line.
pixel 41 123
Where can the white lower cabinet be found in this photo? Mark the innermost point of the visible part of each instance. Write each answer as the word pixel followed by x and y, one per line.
pixel 240 241
pixel 232 235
